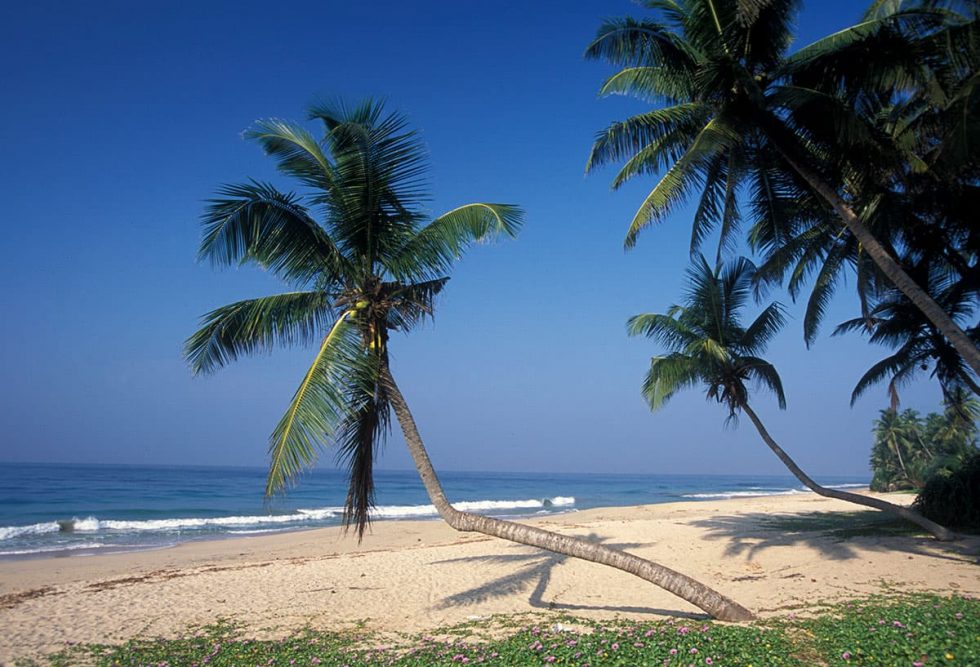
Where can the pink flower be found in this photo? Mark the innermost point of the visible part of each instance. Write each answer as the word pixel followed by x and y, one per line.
pixel 959 616
pixel 648 633
pixel 709 661
pixel 550 658
pixel 693 651
pixel 673 651
pixel 898 624
pixel 638 644
pixel 615 646
pixel 683 629
pixel 846 655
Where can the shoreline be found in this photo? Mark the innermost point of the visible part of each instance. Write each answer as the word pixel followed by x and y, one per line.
pixel 412 576
pixel 83 550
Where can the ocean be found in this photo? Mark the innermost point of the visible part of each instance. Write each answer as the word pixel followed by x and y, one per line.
pixel 76 510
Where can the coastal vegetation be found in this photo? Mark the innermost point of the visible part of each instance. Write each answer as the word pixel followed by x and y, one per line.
pixel 898 630
pixel 707 345
pixel 909 450
pixel 372 266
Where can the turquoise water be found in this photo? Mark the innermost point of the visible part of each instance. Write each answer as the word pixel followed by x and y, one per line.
pixel 50 509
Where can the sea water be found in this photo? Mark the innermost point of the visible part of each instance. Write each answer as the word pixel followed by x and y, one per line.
pixel 48 509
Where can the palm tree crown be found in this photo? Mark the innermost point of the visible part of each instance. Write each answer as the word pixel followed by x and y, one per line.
pixel 707 343
pixel 363 259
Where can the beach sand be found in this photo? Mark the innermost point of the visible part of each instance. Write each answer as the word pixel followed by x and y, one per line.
pixel 422 575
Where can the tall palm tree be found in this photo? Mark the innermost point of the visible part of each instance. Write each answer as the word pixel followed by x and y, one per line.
pixel 732 95
pixel 708 345
pixel 373 264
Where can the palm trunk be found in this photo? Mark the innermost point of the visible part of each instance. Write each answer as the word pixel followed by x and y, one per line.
pixel 888 265
pixel 937 531
pixel 694 592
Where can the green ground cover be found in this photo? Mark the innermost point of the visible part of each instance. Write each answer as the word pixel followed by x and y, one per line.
pixel 912 630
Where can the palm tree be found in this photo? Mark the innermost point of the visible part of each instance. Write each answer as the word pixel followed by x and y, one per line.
pixel 708 346
pixel 373 264
pixel 733 97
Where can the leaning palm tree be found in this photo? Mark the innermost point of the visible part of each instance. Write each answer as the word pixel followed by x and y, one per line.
pixel 708 346
pixel 373 264
pixel 739 112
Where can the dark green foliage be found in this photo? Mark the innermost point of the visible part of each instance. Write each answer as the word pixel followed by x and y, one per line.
pixel 707 344
pixel 880 119
pixel 878 631
pixel 909 450
pixel 953 499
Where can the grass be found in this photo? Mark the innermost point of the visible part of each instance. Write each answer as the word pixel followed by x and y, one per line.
pixel 896 630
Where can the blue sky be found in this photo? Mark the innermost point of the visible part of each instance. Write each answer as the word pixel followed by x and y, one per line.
pixel 119 118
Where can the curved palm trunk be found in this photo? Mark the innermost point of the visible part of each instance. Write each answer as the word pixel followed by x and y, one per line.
pixel 696 593
pixel 937 531
pixel 888 265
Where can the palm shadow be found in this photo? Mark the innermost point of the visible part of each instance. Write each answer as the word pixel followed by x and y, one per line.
pixel 836 535
pixel 535 574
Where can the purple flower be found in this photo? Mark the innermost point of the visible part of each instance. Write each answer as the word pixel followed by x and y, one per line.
pixel 709 661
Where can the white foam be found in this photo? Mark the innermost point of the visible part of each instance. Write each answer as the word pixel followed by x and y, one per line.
pixel 848 486
pixel 94 525
pixel 9 532
pixel 744 494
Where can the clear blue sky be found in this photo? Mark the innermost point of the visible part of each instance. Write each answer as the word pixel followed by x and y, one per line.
pixel 119 118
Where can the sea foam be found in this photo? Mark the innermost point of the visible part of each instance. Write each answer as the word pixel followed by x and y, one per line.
pixel 95 525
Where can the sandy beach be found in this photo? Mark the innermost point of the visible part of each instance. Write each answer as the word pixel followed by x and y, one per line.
pixel 773 554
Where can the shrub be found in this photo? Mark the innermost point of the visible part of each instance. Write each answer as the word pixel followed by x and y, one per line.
pixel 953 498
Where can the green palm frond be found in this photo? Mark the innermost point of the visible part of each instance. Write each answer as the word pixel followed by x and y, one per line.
pixel 824 287
pixel 667 376
pixel 629 42
pixel 298 152
pixel 255 222
pixel 687 172
pixel 765 374
pixel 256 325
pixel 764 328
pixel 625 139
pixel 652 84
pixel 412 303
pixel 340 370
pixel 433 249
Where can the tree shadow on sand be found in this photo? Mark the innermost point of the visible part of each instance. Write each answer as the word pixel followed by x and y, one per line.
pixel 535 573
pixel 836 535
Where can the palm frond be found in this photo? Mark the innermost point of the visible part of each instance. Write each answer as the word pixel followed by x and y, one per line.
pixel 256 222
pixel 433 249
pixel 321 403
pixel 256 325
pixel 681 177
pixel 298 152
pixel 668 375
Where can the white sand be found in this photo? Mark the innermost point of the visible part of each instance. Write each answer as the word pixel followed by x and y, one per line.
pixel 414 576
